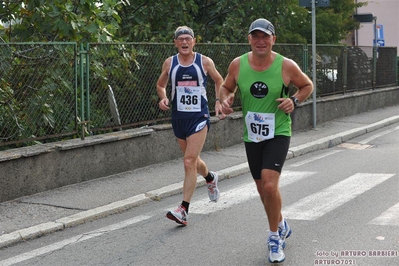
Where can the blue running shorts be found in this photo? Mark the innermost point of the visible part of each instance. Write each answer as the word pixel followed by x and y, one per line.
pixel 183 128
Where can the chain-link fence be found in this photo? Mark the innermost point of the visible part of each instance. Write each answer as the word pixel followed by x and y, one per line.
pixel 48 90
pixel 37 92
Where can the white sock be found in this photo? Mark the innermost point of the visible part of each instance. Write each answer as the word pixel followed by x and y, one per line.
pixel 273 234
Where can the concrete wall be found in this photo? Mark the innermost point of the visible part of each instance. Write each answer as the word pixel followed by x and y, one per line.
pixel 38 168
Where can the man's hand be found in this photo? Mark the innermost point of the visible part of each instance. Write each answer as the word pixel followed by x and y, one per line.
pixel 219 109
pixel 286 105
pixel 164 104
pixel 226 105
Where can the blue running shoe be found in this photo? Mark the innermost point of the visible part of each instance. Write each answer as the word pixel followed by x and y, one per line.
pixel 284 234
pixel 276 252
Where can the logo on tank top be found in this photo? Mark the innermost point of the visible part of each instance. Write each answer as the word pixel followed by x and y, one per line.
pixel 187 83
pixel 259 89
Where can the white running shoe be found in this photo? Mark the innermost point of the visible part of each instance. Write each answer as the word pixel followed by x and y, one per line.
pixel 276 252
pixel 213 191
pixel 179 215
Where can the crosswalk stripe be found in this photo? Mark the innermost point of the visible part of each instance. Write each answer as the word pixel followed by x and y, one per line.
pixel 314 158
pixel 389 217
pixel 243 193
pixel 320 203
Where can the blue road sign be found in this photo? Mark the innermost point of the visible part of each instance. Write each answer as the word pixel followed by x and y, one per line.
pixel 380 42
pixel 380 31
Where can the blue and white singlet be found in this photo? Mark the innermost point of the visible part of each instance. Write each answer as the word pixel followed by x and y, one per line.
pixel 188 89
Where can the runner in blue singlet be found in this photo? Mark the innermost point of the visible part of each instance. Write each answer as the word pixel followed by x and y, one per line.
pixel 187 72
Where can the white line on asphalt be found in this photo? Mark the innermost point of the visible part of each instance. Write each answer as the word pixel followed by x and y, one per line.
pixel 300 163
pixel 389 217
pixel 243 193
pixel 374 136
pixel 308 208
pixel 318 204
pixel 72 240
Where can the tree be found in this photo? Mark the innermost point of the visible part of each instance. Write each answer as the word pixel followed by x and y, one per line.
pixel 60 20
pixel 228 21
pixel 333 24
pixel 156 20
pixel 212 20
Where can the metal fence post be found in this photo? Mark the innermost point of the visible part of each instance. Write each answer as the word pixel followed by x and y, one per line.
pixel 345 69
pixel 396 68
pixel 305 58
pixel 374 82
pixel 87 86
pixel 76 52
pixel 82 60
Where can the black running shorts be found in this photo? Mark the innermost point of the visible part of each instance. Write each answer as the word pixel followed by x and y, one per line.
pixel 268 154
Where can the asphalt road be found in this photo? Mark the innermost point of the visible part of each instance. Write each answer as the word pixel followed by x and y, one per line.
pixel 342 204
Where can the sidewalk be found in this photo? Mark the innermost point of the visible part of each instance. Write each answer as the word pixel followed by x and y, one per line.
pixel 33 216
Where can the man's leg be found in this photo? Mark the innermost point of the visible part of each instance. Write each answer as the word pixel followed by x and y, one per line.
pixel 269 192
pixel 271 198
pixel 202 168
pixel 191 148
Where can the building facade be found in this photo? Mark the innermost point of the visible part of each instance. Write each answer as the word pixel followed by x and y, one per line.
pixel 385 26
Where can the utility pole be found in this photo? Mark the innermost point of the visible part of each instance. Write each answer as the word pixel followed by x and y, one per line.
pixel 313 4
pixel 314 76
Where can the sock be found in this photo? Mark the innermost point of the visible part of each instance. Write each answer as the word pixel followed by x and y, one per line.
pixel 273 234
pixel 209 177
pixel 282 224
pixel 185 205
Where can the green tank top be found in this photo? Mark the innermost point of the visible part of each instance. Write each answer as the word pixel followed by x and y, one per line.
pixel 259 91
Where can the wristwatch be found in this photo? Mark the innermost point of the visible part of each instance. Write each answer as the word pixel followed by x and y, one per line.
pixel 295 100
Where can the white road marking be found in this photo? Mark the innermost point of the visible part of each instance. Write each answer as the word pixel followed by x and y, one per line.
pixel 374 136
pixel 389 217
pixel 318 204
pixel 232 197
pixel 309 208
pixel 314 158
pixel 70 241
pixel 243 193
pixel 354 146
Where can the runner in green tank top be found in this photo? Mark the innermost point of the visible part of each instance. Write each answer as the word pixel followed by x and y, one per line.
pixel 262 76
pixel 260 96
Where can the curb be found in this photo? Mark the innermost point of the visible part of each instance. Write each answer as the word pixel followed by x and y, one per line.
pixel 126 204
